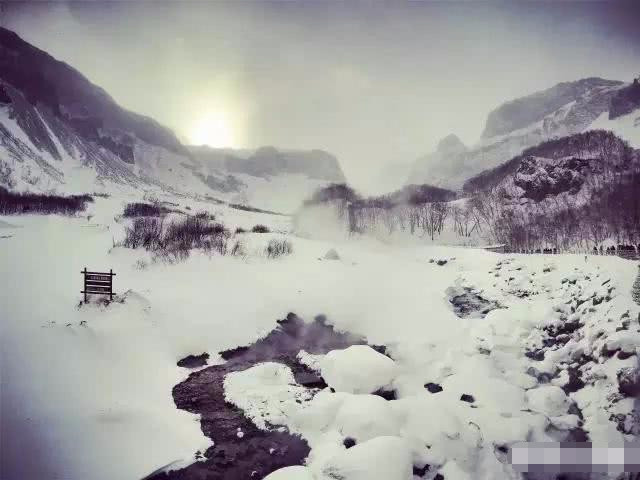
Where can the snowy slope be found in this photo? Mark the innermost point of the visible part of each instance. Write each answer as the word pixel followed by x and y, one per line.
pixel 626 126
pixel 60 132
pixel 88 390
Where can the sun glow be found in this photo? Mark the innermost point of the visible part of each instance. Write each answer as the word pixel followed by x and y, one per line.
pixel 214 128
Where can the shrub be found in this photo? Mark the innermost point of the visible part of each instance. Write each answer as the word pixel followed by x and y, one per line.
pixel 175 240
pixel 238 250
pixel 260 229
pixel 192 232
pixel 204 215
pixel 240 230
pixel 144 232
pixel 278 247
pixel 15 203
pixel 139 209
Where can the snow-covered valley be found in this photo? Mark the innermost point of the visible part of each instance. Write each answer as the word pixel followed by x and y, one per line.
pixel 252 279
pixel 87 390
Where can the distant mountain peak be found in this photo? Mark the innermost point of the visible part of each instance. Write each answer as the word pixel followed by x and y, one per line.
pixel 451 144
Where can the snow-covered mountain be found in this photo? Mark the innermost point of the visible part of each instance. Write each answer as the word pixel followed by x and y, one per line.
pixel 565 109
pixel 267 177
pixel 562 166
pixel 435 168
pixel 57 129
pixel 266 162
pixel 60 132
pixel 562 193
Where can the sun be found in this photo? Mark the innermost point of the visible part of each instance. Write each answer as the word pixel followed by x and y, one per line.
pixel 214 128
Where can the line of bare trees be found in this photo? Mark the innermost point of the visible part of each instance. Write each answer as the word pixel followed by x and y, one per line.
pixel 425 219
pixel 610 216
pixel 562 223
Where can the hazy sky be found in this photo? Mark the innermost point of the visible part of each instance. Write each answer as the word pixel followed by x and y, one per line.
pixel 377 84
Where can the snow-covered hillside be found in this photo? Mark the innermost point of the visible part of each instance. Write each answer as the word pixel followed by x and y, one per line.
pixel 562 110
pixel 626 126
pixel 59 132
pixel 481 351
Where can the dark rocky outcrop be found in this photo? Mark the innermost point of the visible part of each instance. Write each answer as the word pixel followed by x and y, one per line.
pixel 573 150
pixel 468 302
pixel 433 387
pixel 465 397
pixel 193 361
pixel 348 442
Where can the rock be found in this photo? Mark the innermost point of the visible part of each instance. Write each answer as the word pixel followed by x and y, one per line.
pixel 433 387
pixel 420 471
pixel 386 394
pixel 465 397
pixel 348 442
pixel 629 381
pixel 331 255
pixel 467 302
pixel 194 361
pixel 549 400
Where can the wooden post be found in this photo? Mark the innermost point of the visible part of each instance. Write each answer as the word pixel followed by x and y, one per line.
pixel 110 284
pixel 85 284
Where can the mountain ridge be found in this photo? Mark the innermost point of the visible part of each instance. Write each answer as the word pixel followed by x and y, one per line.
pixel 524 111
pixel 60 132
pixel 578 105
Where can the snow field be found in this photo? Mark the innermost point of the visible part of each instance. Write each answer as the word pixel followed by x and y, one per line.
pixel 89 389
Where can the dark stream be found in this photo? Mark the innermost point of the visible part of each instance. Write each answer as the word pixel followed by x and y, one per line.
pixel 258 452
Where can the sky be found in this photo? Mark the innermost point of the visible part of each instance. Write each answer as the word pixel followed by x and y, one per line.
pixel 377 84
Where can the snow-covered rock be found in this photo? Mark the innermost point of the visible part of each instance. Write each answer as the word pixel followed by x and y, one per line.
pixel 382 458
pixel 296 472
pixel 331 255
pixel 357 369
pixel 549 400
pixel 267 392
pixel 363 417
